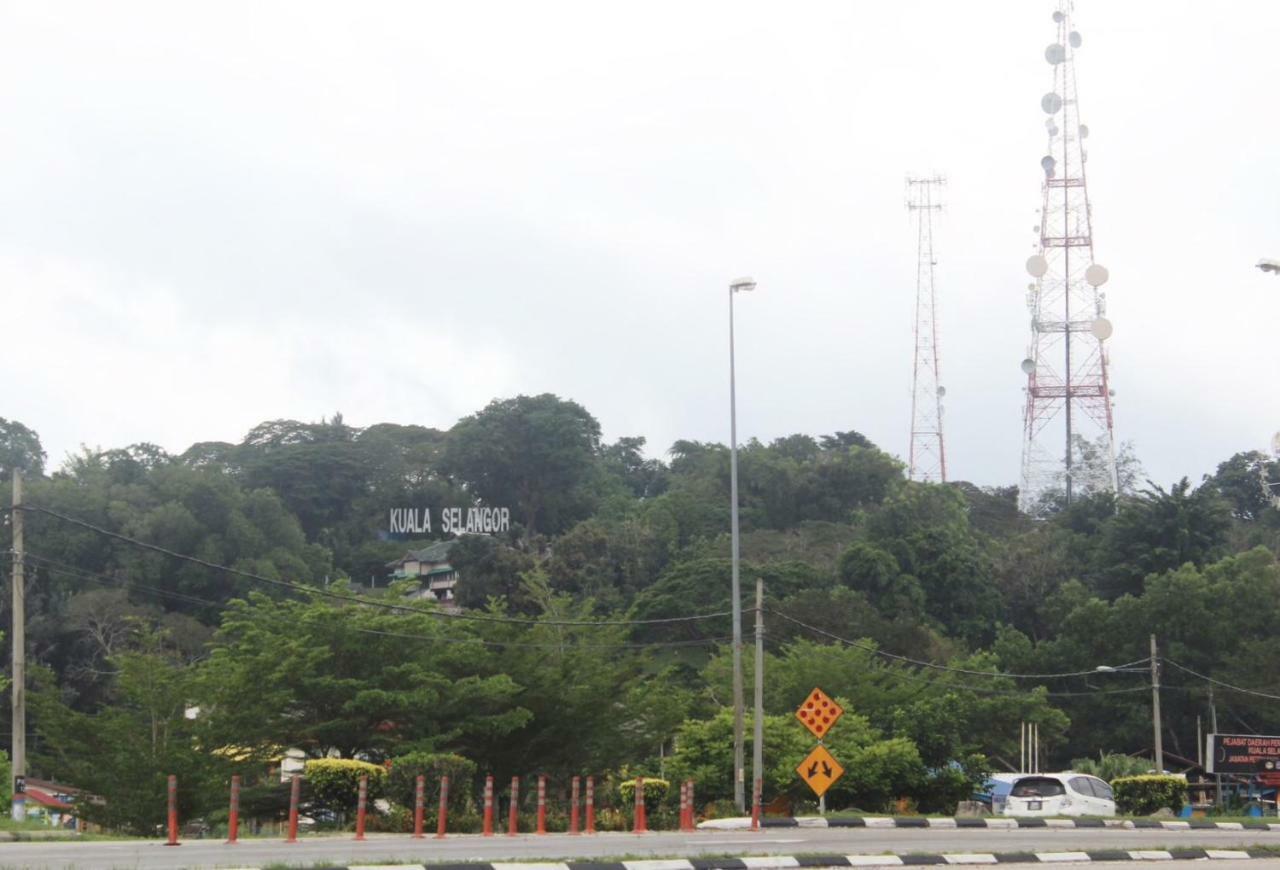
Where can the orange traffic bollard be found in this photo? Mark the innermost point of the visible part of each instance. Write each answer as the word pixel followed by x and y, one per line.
pixel 362 805
pixel 419 798
pixel 573 807
pixel 542 804
pixel 591 804
pixel 444 808
pixel 295 794
pixel 513 820
pixel 173 811
pixel 488 805
pixel 639 826
pixel 233 818
pixel 755 806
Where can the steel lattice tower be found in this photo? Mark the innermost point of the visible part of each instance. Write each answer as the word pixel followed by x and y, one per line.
pixel 1066 364
pixel 928 457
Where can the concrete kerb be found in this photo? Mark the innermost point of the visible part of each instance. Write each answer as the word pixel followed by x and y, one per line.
pixel 742 823
pixel 785 862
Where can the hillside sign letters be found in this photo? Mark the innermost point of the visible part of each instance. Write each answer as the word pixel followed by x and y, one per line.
pixel 452 521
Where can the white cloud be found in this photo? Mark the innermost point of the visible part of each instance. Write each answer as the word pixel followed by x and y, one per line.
pixel 228 213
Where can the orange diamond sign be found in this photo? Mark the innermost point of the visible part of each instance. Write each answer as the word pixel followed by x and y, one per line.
pixel 818 713
pixel 819 770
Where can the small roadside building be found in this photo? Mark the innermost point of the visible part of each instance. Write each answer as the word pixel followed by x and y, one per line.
pixel 430 566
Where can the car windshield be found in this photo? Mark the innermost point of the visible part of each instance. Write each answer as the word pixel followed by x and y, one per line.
pixel 1037 787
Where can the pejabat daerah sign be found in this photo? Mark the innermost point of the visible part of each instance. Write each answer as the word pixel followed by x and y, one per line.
pixel 452 521
pixel 1247 754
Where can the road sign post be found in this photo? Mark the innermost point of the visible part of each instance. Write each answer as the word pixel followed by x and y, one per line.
pixel 819 770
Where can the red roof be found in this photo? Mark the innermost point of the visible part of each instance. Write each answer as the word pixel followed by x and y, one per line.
pixel 46 799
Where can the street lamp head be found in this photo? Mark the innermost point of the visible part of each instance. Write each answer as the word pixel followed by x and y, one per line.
pixel 1272 266
pixel 742 284
pixel 1105 669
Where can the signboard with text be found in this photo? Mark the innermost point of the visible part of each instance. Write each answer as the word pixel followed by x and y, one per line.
pixel 479 520
pixel 1248 754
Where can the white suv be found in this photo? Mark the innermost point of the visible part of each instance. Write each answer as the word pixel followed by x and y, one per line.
pixel 1060 794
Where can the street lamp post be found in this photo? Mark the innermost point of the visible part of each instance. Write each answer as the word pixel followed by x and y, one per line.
pixel 739 767
pixel 1156 728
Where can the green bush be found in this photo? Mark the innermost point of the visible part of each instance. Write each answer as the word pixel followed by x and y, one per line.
pixel 655 790
pixel 1111 765
pixel 1143 795
pixel 6 779
pixel 405 769
pixel 334 783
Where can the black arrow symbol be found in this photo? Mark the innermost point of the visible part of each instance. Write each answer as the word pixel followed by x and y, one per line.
pixel 813 771
pixel 826 770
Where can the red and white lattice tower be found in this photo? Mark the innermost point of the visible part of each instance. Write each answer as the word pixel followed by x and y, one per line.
pixel 1068 395
pixel 928 457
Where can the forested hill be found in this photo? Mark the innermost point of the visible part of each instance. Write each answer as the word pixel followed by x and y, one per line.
pixel 860 567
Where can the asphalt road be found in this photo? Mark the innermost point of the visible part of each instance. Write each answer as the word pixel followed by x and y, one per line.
pixel 152 854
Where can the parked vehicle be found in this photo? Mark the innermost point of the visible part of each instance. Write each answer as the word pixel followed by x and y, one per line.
pixel 1060 794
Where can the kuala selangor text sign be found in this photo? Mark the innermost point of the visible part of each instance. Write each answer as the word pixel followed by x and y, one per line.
pixel 451 520
pixel 1242 753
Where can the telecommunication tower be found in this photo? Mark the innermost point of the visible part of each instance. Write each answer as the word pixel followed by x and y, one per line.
pixel 1067 361
pixel 928 457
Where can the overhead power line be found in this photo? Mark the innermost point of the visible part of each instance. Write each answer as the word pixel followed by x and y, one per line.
pixel 1227 686
pixel 368 602
pixel 112 582
pixel 937 667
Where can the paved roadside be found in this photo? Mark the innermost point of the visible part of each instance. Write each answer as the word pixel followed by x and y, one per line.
pixel 384 848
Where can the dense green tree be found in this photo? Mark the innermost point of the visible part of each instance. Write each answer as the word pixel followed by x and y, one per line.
pixel 20 448
pixel 1249 482
pixel 1161 530
pixel 350 679
pixel 125 751
pixel 537 454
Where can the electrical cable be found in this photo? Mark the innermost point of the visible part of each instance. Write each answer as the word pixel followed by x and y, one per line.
pixel 937 667
pixel 353 599
pixel 1227 686
pixel 111 582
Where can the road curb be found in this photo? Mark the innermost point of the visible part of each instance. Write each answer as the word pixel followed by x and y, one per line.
pixel 785 862
pixel 995 822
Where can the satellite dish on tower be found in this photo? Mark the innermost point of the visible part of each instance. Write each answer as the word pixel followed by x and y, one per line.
pixel 1058 16
pixel 1051 103
pixel 1028 366
pixel 942 391
pixel 1047 163
pixel 1101 329
pixel 1075 39
pixel 1084 132
pixel 1037 266
pixel 1096 275
pixel 1055 53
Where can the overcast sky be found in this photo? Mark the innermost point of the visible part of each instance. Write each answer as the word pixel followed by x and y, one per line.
pixel 224 212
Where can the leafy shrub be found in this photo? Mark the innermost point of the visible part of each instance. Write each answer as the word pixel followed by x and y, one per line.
pixel 334 783
pixel 405 769
pixel 654 792
pixel 1111 765
pixel 1143 795
pixel 397 820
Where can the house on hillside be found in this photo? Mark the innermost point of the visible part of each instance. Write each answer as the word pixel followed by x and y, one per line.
pixel 431 567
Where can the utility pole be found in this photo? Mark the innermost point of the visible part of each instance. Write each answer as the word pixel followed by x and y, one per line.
pixel 1213 726
pixel 739 767
pixel 1155 706
pixel 19 654
pixel 757 748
